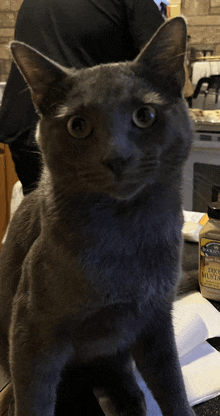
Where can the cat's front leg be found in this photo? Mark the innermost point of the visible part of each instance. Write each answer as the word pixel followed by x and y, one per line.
pixel 115 376
pixel 156 358
pixel 35 380
pixel 35 366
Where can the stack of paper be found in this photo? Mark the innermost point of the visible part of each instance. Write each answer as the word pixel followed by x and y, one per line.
pixel 195 320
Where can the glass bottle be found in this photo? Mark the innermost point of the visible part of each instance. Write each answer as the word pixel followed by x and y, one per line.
pixel 209 254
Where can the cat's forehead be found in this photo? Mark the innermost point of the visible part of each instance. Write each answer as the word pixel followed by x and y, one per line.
pixel 109 83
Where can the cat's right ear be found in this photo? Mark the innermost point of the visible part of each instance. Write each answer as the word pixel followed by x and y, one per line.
pixel 41 74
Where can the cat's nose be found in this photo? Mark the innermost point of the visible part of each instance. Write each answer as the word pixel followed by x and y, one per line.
pixel 117 165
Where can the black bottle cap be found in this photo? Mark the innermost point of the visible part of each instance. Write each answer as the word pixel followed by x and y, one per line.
pixel 214 210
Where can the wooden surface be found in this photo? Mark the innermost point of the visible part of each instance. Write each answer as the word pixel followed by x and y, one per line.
pixel 3 208
pixel 8 178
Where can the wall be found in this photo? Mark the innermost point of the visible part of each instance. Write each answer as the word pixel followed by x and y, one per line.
pixel 8 13
pixel 203 18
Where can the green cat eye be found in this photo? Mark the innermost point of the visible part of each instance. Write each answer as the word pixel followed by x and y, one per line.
pixel 79 127
pixel 144 116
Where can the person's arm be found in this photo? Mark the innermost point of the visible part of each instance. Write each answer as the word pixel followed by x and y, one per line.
pixel 144 18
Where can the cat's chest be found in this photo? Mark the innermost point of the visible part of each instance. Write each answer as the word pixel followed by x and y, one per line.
pixel 129 260
pixel 128 263
pixel 131 275
pixel 111 328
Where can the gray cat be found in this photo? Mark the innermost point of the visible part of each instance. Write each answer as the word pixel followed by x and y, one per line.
pixel 92 259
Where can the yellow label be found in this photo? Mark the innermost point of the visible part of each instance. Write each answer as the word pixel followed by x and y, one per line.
pixel 210 263
pixel 204 219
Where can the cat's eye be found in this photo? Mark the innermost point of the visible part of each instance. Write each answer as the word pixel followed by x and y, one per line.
pixel 144 116
pixel 79 127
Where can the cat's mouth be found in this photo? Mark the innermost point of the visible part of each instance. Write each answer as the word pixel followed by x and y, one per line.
pixel 128 177
pixel 127 189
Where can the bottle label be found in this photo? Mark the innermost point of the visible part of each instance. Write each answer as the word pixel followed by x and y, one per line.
pixel 210 263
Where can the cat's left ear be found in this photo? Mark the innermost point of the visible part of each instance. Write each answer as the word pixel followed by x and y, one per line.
pixel 43 75
pixel 164 55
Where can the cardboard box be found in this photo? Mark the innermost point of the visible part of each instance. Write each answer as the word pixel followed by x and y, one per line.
pixel 173 10
pixel 175 2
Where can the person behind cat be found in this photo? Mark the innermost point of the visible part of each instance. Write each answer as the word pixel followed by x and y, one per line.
pixel 74 33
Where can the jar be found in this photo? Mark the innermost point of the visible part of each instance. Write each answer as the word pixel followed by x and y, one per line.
pixel 209 254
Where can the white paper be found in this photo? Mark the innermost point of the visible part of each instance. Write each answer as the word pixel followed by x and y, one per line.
pixel 189 333
pixel 187 306
pixel 195 320
pixel 192 227
pixel 201 373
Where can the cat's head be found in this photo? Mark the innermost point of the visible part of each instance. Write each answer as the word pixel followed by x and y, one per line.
pixel 115 128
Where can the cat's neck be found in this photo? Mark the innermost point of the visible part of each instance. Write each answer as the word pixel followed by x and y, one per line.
pixel 62 198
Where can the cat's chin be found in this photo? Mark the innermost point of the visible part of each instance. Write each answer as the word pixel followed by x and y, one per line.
pixel 128 191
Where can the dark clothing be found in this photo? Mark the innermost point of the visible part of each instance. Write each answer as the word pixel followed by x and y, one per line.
pixel 75 33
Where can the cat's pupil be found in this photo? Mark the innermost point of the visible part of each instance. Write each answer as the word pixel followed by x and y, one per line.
pixel 144 114
pixel 78 124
